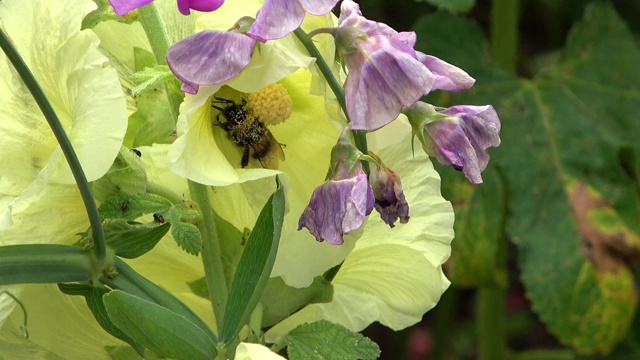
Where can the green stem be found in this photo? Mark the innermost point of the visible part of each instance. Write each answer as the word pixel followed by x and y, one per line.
pixel 23 327
pixel 153 26
pixel 444 314
pixel 63 140
pixel 360 137
pixel 504 33
pixel 211 254
pixel 490 323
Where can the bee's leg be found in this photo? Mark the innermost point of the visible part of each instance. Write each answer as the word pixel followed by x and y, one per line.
pixel 245 157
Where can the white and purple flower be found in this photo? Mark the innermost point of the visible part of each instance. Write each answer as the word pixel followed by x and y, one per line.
pixel 121 7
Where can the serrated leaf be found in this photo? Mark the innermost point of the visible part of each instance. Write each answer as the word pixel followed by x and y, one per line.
pixel 324 340
pixel 188 237
pixel 150 77
pixel 480 215
pixel 93 297
pixel 158 328
pixel 454 6
pixel 132 240
pixel 130 206
pixel 568 126
pixel 280 300
pixel 254 268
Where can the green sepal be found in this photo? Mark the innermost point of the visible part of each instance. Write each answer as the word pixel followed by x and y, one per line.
pixel 324 340
pixel 280 300
pixel 126 175
pixel 130 240
pixel 93 297
pixel 104 12
pixel 254 268
pixel 44 263
pixel 158 328
pixel 150 77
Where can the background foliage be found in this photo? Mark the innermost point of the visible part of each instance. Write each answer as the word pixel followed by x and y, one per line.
pixel 544 259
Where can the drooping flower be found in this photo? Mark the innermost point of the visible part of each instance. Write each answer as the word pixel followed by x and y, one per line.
pixel 458 136
pixel 278 18
pixel 121 7
pixel 387 190
pixel 391 276
pixel 343 202
pixel 386 74
pixel 37 186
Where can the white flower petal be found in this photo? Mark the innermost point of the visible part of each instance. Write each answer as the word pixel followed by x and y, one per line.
pixel 249 351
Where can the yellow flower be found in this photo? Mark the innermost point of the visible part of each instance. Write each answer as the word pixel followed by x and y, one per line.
pixel 40 202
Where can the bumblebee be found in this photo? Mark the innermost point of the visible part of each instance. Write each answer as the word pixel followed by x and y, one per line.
pixel 249 132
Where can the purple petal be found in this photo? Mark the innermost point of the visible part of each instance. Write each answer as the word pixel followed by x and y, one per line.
pixel 389 196
pixel 209 57
pixel 121 7
pixel 448 77
pixel 185 6
pixel 351 16
pixel 387 81
pixel 276 19
pixel 318 7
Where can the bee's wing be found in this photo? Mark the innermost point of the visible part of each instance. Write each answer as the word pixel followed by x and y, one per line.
pixel 270 159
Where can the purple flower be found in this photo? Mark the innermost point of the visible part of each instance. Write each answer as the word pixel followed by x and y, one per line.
pixel 386 74
pixel 122 7
pixel 277 18
pixel 209 57
pixel 338 206
pixel 389 197
pixel 462 137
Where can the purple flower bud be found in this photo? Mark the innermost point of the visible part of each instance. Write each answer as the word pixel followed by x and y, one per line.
pixel 338 206
pixel 387 190
pixel 461 139
pixel 121 7
pixel 209 57
pixel 278 18
pixel 185 6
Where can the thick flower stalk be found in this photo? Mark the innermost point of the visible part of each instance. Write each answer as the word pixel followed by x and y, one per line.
pixel 343 202
pixel 84 90
pixel 121 7
pixel 278 18
pixel 458 136
pixel 386 74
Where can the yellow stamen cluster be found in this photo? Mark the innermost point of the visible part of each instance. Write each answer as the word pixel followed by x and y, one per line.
pixel 271 104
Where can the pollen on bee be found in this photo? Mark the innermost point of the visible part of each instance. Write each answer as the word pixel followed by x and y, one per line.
pixel 271 104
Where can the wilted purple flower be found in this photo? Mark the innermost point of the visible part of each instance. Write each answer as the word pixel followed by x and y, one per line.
pixel 209 57
pixel 386 74
pixel 338 206
pixel 458 136
pixel 122 7
pixel 277 18
pixel 341 204
pixel 389 197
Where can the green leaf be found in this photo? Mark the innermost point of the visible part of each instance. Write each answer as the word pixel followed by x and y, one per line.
pixel 130 206
pixel 126 175
pixel 255 266
pixel 280 300
pixel 93 297
pixel 43 263
pixel 568 151
pixel 133 283
pixel 323 340
pixel 454 6
pixel 130 240
pixel 479 227
pixel 188 237
pixel 150 77
pixel 158 328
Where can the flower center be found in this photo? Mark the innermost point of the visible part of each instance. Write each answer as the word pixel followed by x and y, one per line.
pixel 271 104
